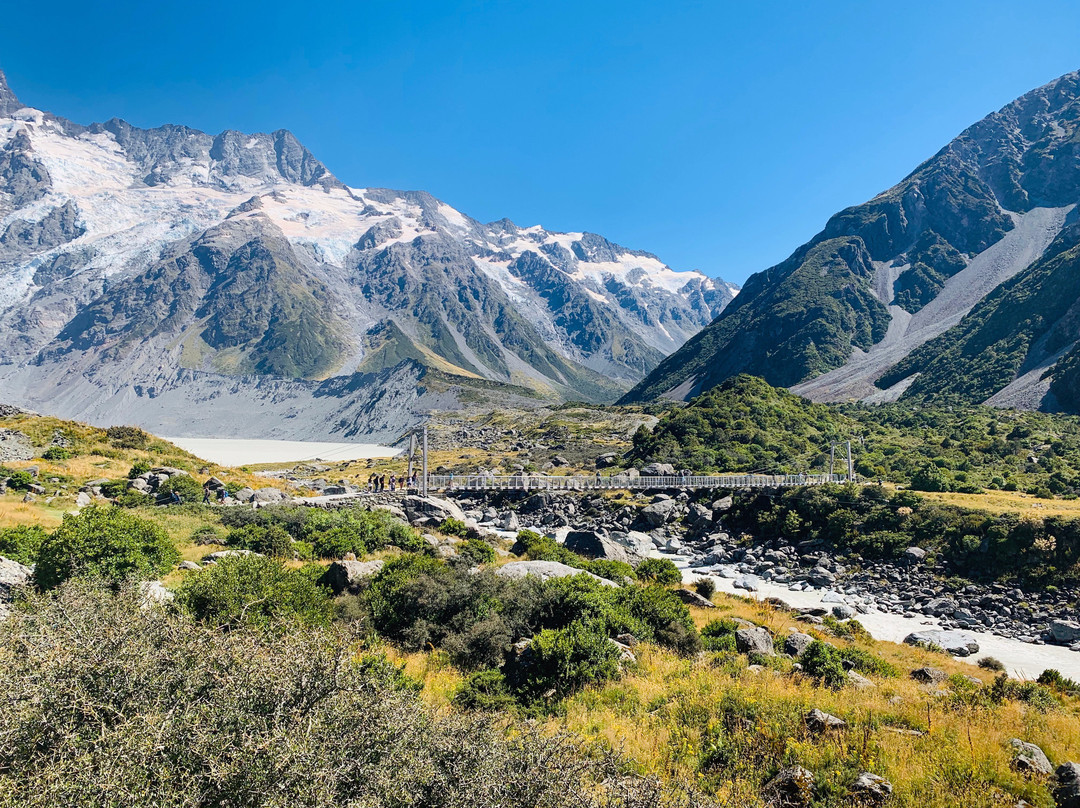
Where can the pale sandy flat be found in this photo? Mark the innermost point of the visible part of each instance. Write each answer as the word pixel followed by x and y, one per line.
pixel 245 452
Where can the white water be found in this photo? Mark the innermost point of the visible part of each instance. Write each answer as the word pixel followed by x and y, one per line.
pixel 1022 660
pixel 241 452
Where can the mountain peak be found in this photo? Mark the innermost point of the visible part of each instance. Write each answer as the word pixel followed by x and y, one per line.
pixel 8 102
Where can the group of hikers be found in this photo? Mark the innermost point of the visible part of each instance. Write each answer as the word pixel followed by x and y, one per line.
pixel 398 482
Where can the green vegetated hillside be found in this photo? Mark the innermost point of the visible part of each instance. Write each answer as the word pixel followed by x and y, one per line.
pixel 747 425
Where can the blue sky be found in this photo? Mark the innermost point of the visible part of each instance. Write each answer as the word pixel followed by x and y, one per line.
pixel 718 135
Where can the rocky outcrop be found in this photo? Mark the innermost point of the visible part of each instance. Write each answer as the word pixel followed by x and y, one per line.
pixel 754 641
pixel 13 577
pixel 590 545
pixel 545 570
pixel 1029 758
pixel 349 576
pixel 956 643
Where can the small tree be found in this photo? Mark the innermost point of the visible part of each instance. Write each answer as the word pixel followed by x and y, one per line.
pixel 659 570
pixel 108 542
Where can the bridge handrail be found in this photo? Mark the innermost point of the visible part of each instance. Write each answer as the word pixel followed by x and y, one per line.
pixel 583 482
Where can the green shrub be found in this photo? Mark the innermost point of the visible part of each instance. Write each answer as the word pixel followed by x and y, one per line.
pixel 104 542
pixel 477 551
pixel 207 534
pixel 138 468
pixel 618 571
pixel 659 570
pixel 562 661
pixel 719 635
pixel 113 488
pixel 17 480
pixel 21 543
pixel 1053 679
pixel 56 453
pixel 132 498
pixel 254 590
pixel 485 690
pixel 706 587
pixel 453 527
pixel 185 487
pixel 271 540
pixel 865 662
pixel 989 663
pixel 824 662
pixel 532 545
pixel 127 437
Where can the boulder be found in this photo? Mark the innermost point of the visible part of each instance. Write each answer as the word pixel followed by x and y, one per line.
pixel 792 787
pixel 843 612
pixel 1029 759
pixel 819 721
pixel 154 593
pixel 956 643
pixel 870 788
pixel 694 599
pixel 393 510
pixel 606 460
pixel 347 576
pixel 269 495
pixel 755 640
pixel 13 576
pixel 747 582
pixel 222 554
pixel 929 676
pixel 588 544
pixel 1067 785
pixel 658 470
pixel 509 521
pixel 417 508
pixel 859 682
pixel 190 566
pixel 913 555
pixel 796 642
pixel 83 499
pixel 640 543
pixel 545 570
pixel 245 494
pixel 1065 631
pixel 657 514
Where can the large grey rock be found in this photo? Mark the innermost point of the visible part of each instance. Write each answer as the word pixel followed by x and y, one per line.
pixel 243 495
pixel 640 543
pixel 859 682
pixel 154 593
pixel 588 544
pixel 914 555
pixel 347 576
pixel 820 721
pixel 658 514
pixel 756 640
pixel 929 676
pixel 13 576
pixel 792 787
pixel 223 554
pixel 82 500
pixel 871 788
pixel 545 570
pixel 1029 758
pixel 1065 631
pixel 796 642
pixel 694 599
pixel 658 470
pixel 956 643
pixel 417 508
pixel 1067 785
pixel 842 611
pixel 264 495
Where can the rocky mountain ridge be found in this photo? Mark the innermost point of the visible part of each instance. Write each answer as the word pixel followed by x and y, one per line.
pixel 138 259
pixel 886 300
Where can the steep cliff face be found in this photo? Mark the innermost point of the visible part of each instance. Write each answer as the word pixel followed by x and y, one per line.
pixel 130 253
pixel 981 212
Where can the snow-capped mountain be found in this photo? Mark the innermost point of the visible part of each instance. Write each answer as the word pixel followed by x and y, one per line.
pixel 139 261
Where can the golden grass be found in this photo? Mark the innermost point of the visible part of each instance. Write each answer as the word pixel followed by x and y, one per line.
pixel 1008 502
pixel 13 511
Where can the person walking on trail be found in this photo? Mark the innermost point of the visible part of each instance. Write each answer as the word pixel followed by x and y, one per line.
pixel 206 495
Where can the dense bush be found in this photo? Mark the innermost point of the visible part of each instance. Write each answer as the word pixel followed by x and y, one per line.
pixel 105 542
pixel 532 545
pixel 21 543
pixel 824 662
pixel 477 551
pixel 331 534
pixel 454 527
pixel 17 479
pixel 271 540
pixel 120 705
pixel 989 663
pixel 618 571
pixel 138 468
pixel 719 635
pixel 706 587
pixel 254 590
pixel 565 660
pixel 127 437
pixel 56 453
pixel 185 486
pixel 659 570
pixel 485 690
